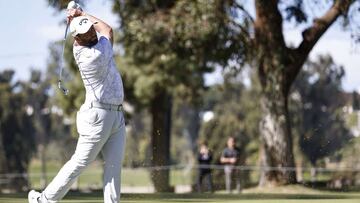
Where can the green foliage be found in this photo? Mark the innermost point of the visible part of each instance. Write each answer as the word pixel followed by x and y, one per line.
pixel 321 124
pixel 17 132
pixel 169 45
pixel 236 113
pixel 355 101
pixel 138 140
pixel 296 11
pixel 350 159
pixel 71 102
pixel 352 120
pixel 172 43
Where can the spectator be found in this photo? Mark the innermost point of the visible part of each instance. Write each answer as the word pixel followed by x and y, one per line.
pixel 230 158
pixel 204 159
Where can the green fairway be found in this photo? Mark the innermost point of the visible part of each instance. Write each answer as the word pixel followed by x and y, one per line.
pixel 216 198
pixel 92 176
pixel 131 177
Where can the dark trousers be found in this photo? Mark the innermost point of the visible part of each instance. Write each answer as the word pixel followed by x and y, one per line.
pixel 204 177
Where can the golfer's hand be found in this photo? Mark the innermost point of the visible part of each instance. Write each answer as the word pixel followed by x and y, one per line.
pixel 72 13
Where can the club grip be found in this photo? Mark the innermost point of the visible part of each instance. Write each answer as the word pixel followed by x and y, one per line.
pixel 73 5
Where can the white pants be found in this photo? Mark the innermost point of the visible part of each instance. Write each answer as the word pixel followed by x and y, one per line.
pixel 99 130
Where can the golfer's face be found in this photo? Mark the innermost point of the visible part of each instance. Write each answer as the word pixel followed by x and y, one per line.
pixel 89 38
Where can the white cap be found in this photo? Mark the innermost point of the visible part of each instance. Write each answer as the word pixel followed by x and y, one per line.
pixel 80 25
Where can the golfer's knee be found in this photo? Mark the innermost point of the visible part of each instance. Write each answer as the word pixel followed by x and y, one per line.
pixel 112 166
pixel 81 162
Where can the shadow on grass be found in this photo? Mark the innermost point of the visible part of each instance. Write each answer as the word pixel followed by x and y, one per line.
pixel 239 196
pixel 323 186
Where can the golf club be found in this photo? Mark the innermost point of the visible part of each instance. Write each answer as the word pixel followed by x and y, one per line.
pixel 71 5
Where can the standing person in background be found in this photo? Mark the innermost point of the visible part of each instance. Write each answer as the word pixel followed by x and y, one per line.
pixel 230 158
pixel 204 159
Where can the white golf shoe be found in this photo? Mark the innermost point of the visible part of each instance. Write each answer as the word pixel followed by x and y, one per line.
pixel 34 197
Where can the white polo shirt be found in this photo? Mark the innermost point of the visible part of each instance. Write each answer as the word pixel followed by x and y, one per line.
pixel 98 71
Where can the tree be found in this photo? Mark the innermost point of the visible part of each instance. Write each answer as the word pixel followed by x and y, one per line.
pixel 349 159
pixel 172 43
pixel 37 98
pixel 16 133
pixel 355 101
pixel 259 40
pixel 169 45
pixel 236 113
pixel 322 126
pixel 278 64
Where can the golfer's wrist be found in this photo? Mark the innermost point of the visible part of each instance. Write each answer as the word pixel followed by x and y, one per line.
pixel 92 19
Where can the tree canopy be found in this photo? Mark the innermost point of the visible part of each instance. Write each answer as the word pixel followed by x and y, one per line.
pixel 321 99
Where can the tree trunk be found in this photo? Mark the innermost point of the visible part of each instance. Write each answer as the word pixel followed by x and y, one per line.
pixel 274 60
pixel 278 66
pixel 300 170
pixel 313 174
pixel 262 158
pixel 3 163
pixel 277 140
pixel 42 156
pixel 161 127
pixel 39 123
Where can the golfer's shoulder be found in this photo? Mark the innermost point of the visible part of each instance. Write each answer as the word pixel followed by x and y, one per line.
pixel 87 56
pixel 105 42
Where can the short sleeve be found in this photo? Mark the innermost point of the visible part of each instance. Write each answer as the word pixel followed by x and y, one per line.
pixel 237 152
pixel 106 48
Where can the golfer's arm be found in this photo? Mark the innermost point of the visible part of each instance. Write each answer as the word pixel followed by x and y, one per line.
pixel 101 27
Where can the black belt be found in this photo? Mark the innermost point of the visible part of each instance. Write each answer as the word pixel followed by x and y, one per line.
pixel 110 107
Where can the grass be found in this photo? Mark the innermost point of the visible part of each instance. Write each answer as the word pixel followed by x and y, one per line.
pixel 202 198
pixel 92 176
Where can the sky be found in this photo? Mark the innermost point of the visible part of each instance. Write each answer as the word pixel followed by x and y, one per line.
pixel 28 28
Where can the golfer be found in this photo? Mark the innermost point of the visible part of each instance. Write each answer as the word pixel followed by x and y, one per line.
pixel 100 120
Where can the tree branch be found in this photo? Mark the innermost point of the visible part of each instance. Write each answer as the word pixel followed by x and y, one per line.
pixel 242 28
pixel 320 25
pixel 312 35
pixel 242 9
